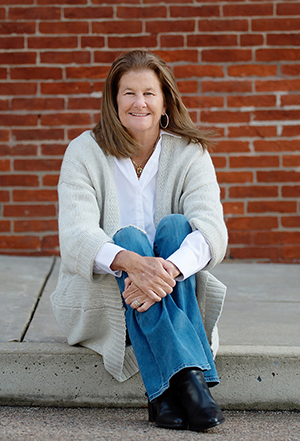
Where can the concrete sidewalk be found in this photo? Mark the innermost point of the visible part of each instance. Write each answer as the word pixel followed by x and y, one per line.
pixel 258 360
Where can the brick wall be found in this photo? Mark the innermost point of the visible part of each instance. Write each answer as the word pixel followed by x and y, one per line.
pixel 238 68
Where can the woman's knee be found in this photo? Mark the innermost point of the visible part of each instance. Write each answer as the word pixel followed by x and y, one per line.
pixel 133 239
pixel 175 222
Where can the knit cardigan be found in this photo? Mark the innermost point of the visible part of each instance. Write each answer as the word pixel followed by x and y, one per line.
pixel 88 307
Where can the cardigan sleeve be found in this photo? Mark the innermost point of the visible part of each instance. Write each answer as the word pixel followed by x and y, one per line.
pixel 200 202
pixel 80 234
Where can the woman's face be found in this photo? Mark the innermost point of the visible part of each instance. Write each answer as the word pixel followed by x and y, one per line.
pixel 140 103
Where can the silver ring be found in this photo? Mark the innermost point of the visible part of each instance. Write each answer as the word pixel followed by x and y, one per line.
pixel 136 303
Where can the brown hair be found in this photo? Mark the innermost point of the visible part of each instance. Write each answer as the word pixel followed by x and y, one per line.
pixel 112 136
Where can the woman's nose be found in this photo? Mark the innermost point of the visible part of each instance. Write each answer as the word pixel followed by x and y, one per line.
pixel 140 100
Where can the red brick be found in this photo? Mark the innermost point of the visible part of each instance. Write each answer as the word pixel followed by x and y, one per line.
pixel 254 191
pixel 24 226
pixel 60 119
pixel 219 161
pixel 268 253
pixel 38 134
pixel 50 180
pixel 42 210
pixel 157 26
pixel 272 55
pixel 187 86
pixel 4 165
pixel 18 120
pixel 52 42
pixel 34 195
pixel 129 42
pixel 50 242
pixel 247 70
pixel 33 104
pixel 3 74
pixel 204 40
pixel 117 27
pixel 64 27
pixel 178 55
pixel 18 58
pixel 78 57
pixel 276 115
pixel 89 12
pixel 290 130
pixel 247 10
pixel 252 131
pixel 272 206
pixel 63 2
pixel 290 191
pixel 106 57
pixel 5 226
pixel 286 8
pixel 217 26
pixel 252 223
pixel 236 237
pixel 37 164
pixel 228 146
pixel 251 101
pixel 131 2
pixel 17 28
pixel 196 70
pixel 290 69
pixel 4 196
pixel 94 42
pixel 290 221
pixel 253 161
pixel 19 242
pixel 278 176
pixel 34 13
pixel 36 73
pixel 291 161
pixel 291 252
pixel 192 102
pixel 53 149
pixel 133 12
pixel 224 117
pixel 4 105
pixel 18 150
pixel 171 41
pixel 18 88
pixel 4 135
pixel 234 177
pixel 226 55
pixel 87 72
pixel 275 24
pixel 290 100
pixel 70 88
pixel 195 11
pixel 84 103
pixel 233 208
pixel 291 39
pixel 276 237
pixel 277 85
pixel 19 180
pixel 226 86
pixel 279 145
pixel 252 40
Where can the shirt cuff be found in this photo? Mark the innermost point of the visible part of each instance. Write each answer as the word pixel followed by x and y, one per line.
pixel 105 257
pixel 192 256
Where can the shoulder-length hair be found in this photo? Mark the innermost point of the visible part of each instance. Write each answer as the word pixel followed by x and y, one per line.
pixel 112 136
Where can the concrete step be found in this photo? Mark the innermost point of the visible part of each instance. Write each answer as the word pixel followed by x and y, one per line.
pixel 258 360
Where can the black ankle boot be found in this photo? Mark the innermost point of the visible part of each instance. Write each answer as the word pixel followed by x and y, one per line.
pixel 201 409
pixel 167 412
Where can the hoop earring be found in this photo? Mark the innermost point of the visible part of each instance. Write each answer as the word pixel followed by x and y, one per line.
pixel 168 120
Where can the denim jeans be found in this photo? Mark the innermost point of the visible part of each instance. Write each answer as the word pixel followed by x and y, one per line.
pixel 170 335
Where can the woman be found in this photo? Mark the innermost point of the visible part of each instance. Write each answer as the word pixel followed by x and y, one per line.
pixel 140 220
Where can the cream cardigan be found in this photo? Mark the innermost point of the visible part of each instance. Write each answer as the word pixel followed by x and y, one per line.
pixel 88 307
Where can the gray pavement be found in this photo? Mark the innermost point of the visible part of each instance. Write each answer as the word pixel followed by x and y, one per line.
pixel 82 424
pixel 258 360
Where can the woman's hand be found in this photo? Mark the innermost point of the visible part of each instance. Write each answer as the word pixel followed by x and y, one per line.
pixel 152 275
pixel 133 294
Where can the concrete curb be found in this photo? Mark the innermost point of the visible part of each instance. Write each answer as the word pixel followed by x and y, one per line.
pixel 46 374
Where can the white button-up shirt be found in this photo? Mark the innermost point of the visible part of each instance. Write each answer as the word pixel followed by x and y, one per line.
pixel 137 200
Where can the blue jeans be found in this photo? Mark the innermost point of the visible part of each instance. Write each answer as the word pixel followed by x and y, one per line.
pixel 170 335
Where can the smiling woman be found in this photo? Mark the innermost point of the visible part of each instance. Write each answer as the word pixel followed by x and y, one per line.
pixel 140 219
